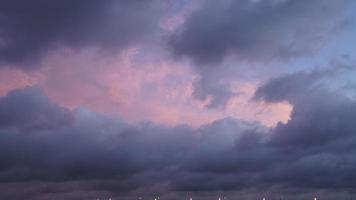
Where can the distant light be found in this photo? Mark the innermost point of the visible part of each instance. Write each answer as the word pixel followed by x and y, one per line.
pixel 264 198
pixel 315 198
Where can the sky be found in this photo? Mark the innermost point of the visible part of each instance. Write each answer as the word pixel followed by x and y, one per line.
pixel 177 98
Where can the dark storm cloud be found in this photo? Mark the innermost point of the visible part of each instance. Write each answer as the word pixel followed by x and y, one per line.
pixel 257 30
pixel 30 29
pixel 57 149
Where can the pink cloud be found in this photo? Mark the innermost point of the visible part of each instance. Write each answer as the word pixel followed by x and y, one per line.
pixel 267 113
pixel 158 90
pixel 11 78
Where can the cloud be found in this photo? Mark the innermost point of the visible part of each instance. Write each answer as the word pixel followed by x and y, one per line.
pixel 224 33
pixel 41 141
pixel 215 93
pixel 45 144
pixel 320 132
pixel 257 30
pixel 30 30
pixel 292 87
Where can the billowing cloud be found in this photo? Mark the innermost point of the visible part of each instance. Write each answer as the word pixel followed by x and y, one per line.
pixel 29 30
pixel 320 133
pixel 233 33
pixel 102 155
pixel 93 106
pixel 257 30
pixel 120 84
pixel 41 141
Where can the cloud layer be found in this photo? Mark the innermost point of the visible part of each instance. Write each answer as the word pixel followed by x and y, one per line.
pixel 29 30
pixel 43 142
pixel 257 30
pixel 97 102
pixel 248 31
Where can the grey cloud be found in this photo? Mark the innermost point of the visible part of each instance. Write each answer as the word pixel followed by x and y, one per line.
pixel 292 87
pixel 321 114
pixel 314 149
pixel 320 134
pixel 257 30
pixel 217 94
pixel 56 149
pixel 41 141
pixel 31 29
pixel 254 31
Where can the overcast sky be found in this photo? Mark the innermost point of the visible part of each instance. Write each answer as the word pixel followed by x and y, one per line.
pixel 177 98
